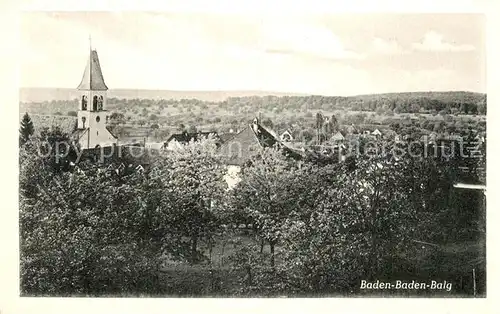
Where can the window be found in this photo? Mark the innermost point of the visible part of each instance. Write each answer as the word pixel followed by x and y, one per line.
pixel 100 102
pixel 84 102
pixel 97 119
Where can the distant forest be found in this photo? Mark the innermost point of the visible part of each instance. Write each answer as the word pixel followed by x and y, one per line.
pixel 418 102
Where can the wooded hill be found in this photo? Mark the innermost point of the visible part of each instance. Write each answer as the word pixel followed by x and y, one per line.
pixel 430 102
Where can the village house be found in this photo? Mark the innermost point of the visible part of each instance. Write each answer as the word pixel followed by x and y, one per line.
pixel 178 140
pixel 338 137
pixel 286 136
pixel 238 150
pixel 224 137
pixel 351 129
pixel 377 133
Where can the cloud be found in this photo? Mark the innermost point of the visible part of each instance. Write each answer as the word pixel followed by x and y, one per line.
pixel 304 39
pixel 433 41
pixel 382 46
pixel 218 52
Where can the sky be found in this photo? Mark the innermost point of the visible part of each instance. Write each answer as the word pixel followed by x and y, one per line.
pixel 343 54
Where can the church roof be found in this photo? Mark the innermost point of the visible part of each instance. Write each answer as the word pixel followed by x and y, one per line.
pixel 78 133
pixel 92 76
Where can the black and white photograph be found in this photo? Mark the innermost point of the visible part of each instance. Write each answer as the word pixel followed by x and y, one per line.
pixel 246 155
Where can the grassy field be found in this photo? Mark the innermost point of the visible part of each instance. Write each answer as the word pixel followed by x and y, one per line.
pixel 453 263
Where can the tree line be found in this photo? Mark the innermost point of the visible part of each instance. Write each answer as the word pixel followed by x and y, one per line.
pixel 418 102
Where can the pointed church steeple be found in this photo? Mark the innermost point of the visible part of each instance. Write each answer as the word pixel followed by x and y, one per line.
pixel 92 76
pixel 92 115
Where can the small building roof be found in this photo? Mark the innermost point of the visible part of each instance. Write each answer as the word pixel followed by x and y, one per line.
pixel 338 136
pixel 224 137
pixel 186 137
pixel 240 148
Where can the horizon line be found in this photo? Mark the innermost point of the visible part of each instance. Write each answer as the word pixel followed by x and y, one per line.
pixel 263 91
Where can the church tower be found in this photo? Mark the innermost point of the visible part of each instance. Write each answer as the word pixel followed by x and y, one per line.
pixel 92 114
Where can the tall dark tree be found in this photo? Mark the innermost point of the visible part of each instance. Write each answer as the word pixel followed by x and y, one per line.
pixel 334 123
pixel 319 124
pixel 27 129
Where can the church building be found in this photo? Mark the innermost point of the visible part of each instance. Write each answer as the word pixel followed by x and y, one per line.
pixel 92 131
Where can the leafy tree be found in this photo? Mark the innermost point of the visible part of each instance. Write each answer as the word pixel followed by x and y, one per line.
pixel 116 118
pixel 263 196
pixel 481 107
pixel 319 125
pixel 355 224
pixel 181 127
pixel 103 229
pixel 88 232
pixel 52 153
pixel 192 186
pixel 268 122
pixel 26 129
pixel 438 126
